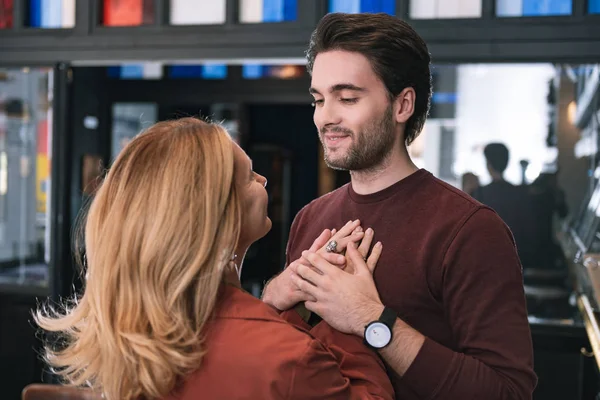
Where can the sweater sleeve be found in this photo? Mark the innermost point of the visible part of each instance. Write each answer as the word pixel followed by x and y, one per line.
pixel 339 366
pixel 484 303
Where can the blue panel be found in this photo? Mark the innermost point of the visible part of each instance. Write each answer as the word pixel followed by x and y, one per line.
pixel 214 71
pixel 185 71
pixel 290 10
pixel 388 6
pixel 536 8
pixel 533 8
pixel 132 72
pixel 377 6
pixel 344 6
pixel 252 71
pixel 46 8
pixel 272 10
pixel 35 13
pixel 444 98
pixel 51 13
pixel 562 7
pixel 594 6
pixel 369 6
pixel 114 72
pixel 206 71
pixel 509 8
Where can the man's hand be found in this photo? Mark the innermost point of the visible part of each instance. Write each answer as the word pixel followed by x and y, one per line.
pixel 282 294
pixel 347 302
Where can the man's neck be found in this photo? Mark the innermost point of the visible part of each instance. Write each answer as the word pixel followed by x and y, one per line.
pixel 395 168
pixel 496 177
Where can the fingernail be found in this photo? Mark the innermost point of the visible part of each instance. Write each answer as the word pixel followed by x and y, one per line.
pixel 369 231
pixel 379 244
pixel 359 229
pixel 341 259
pixel 349 222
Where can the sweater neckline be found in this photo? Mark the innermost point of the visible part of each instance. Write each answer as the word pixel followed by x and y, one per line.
pixel 404 185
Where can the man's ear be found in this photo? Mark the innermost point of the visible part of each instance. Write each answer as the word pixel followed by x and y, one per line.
pixel 404 105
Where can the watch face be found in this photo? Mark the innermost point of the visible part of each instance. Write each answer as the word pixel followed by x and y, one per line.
pixel 378 335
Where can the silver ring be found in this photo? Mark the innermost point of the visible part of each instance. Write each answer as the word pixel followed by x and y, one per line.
pixel 331 247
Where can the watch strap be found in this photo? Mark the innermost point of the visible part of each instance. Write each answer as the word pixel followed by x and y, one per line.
pixel 388 317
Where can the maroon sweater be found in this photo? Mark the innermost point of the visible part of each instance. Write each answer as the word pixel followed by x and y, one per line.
pixel 450 270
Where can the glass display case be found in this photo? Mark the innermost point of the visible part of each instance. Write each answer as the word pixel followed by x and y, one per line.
pixel 128 120
pixel 25 176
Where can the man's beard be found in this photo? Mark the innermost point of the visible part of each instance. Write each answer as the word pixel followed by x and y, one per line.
pixel 369 148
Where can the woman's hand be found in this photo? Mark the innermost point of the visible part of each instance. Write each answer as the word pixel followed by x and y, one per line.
pixel 352 232
pixel 282 294
pixel 363 249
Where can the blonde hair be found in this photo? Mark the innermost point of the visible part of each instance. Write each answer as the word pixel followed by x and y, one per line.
pixel 158 236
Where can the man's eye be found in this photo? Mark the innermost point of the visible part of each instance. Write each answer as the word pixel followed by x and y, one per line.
pixel 316 103
pixel 349 101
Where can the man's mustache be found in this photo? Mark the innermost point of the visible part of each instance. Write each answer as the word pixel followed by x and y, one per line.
pixel 336 129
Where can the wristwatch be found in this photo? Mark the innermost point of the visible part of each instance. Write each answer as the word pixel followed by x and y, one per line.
pixel 378 334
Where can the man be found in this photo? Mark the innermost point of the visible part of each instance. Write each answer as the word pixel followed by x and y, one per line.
pixel 449 274
pixel 512 203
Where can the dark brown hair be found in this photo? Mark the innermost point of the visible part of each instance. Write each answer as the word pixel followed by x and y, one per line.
pixel 398 55
pixel 497 155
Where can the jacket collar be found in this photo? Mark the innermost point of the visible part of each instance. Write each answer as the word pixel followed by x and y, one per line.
pixel 236 303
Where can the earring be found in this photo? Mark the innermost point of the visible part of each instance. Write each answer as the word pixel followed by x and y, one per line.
pixel 237 268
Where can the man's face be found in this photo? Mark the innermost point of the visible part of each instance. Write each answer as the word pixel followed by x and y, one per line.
pixel 353 112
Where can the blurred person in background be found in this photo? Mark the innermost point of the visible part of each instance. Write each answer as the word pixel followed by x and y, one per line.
pixel 470 183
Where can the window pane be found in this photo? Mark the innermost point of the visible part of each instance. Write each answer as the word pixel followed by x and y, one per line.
pixel 357 6
pixel 257 11
pixel 594 6
pixel 259 71
pixel 25 157
pixel 127 12
pixel 129 119
pixel 437 9
pixel 6 14
pixel 188 12
pixel 533 8
pixel 50 14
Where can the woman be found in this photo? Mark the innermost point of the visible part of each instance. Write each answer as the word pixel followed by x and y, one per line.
pixel 163 315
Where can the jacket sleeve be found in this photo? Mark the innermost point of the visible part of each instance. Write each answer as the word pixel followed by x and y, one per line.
pixel 339 366
pixel 484 303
